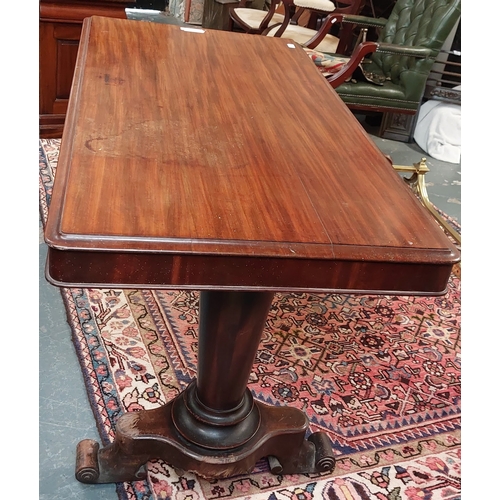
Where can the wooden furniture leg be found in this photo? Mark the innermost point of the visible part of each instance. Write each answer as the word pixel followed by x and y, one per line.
pixel 214 428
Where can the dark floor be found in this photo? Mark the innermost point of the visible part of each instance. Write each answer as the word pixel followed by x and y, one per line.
pixel 65 416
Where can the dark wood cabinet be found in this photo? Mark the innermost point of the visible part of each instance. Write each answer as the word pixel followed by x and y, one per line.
pixel 60 29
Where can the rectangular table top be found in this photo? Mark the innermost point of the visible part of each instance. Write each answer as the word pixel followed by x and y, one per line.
pixel 197 158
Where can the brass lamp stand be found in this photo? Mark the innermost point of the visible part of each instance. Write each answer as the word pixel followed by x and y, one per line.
pixel 417 184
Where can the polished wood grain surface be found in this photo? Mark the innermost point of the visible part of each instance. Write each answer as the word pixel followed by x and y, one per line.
pixel 181 146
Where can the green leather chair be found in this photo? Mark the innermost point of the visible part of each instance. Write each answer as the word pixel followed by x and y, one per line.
pixel 390 75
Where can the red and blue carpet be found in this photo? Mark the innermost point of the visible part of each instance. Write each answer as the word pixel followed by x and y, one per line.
pixel 379 374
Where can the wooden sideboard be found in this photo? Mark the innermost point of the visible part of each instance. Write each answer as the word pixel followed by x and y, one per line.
pixel 60 29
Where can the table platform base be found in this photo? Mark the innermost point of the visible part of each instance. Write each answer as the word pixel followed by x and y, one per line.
pixel 150 434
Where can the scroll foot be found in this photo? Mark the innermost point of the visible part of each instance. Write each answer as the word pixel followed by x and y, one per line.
pixel 314 456
pixel 324 459
pixel 92 467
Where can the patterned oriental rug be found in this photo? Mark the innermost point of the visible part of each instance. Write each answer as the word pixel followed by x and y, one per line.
pixel 379 374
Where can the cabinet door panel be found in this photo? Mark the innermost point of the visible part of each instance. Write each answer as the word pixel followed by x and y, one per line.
pixel 59 31
pixel 58 50
pixel 67 51
pixel 67 41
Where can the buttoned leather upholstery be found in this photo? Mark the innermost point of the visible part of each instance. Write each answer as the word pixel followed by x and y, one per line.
pixel 413 24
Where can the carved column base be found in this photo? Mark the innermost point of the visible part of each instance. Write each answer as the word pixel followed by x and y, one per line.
pixel 266 431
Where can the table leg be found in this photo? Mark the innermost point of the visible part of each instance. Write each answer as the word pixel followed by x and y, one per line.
pixel 214 428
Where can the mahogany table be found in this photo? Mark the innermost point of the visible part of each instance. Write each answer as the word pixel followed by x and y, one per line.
pixel 224 163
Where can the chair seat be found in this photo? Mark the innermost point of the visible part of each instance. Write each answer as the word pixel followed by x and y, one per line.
pixel 254 17
pixel 328 64
pixel 301 35
pixel 362 93
pixel 367 95
pixel 322 5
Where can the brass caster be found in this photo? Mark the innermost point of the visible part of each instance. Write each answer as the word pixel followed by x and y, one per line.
pixel 274 465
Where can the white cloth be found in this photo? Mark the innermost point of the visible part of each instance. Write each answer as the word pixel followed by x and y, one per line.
pixel 439 130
